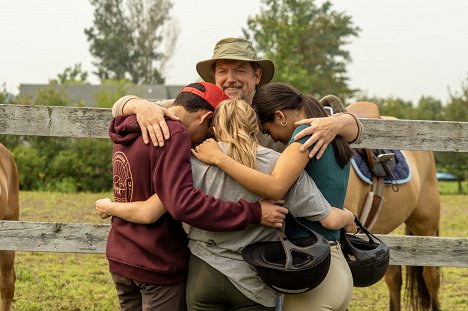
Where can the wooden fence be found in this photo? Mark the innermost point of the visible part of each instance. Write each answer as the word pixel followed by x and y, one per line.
pixel 93 123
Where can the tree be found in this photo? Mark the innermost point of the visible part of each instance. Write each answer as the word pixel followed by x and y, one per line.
pixel 4 95
pixel 73 74
pixel 107 97
pixel 456 110
pixel 391 106
pixel 151 20
pixel 429 108
pixel 52 95
pixel 129 42
pixel 306 43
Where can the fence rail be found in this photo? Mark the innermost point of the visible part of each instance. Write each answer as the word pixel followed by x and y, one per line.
pixel 91 238
pixel 93 123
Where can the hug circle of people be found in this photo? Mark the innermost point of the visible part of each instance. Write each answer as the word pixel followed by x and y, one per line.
pixel 197 183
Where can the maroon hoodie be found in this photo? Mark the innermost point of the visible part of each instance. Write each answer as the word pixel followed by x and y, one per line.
pixel 157 253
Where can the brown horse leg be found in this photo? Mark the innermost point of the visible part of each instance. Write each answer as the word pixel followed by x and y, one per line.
pixel 394 281
pixel 431 276
pixel 7 279
pixel 422 288
pixel 422 284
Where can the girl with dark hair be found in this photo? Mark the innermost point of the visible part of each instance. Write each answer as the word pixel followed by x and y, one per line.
pixel 279 106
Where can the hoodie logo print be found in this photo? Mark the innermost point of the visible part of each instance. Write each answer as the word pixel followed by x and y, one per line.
pixel 123 181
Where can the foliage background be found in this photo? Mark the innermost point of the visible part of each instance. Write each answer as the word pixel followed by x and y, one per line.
pixel 306 39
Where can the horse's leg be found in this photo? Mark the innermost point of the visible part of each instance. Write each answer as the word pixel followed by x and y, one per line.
pixel 394 281
pixel 7 279
pixel 431 277
pixel 425 280
pixel 422 286
pixel 9 205
pixel 7 261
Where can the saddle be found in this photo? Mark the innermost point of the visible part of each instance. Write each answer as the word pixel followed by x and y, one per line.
pixel 381 163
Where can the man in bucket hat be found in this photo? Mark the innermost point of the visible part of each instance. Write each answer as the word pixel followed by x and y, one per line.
pixel 236 69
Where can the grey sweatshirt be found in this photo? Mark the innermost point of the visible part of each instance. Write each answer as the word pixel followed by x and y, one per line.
pixel 221 250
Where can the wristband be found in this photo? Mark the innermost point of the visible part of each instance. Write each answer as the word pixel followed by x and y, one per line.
pixel 117 109
pixel 358 123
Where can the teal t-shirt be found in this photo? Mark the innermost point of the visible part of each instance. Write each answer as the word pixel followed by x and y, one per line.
pixel 332 181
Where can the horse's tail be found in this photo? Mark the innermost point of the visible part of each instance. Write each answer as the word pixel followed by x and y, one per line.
pixel 417 294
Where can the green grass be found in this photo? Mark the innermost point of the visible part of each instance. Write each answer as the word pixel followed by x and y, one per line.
pixel 62 281
pixel 454 284
pixel 453 187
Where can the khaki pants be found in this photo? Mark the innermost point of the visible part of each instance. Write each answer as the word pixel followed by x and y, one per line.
pixel 334 293
pixel 210 290
pixel 135 295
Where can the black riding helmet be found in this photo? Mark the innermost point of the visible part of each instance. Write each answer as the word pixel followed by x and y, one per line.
pixel 291 266
pixel 367 259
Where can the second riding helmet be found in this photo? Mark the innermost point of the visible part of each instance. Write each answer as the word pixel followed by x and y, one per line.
pixel 368 259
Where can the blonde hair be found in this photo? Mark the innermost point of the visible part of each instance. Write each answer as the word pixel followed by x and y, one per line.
pixel 236 124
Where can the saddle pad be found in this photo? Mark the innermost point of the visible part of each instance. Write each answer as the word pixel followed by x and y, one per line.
pixel 402 171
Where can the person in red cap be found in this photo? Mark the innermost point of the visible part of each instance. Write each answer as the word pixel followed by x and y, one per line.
pixel 149 263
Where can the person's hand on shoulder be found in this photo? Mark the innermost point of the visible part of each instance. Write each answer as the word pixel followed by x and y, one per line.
pixel 322 131
pixel 153 126
pixel 208 152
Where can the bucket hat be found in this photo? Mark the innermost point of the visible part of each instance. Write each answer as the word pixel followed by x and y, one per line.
pixel 235 49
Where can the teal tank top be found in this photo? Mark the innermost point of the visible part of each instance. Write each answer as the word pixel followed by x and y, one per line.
pixel 332 181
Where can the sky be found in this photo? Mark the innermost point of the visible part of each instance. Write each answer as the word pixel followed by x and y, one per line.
pixel 405 49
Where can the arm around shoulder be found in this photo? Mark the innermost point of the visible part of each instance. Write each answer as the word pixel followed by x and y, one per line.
pixel 351 129
pixel 150 116
pixel 129 104
pixel 117 108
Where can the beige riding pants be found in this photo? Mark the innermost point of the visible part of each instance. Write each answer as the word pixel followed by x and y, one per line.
pixel 334 293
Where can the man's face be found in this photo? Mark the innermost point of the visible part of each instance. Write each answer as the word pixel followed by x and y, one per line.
pixel 237 79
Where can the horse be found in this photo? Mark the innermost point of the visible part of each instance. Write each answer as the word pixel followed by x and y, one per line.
pixel 417 205
pixel 9 210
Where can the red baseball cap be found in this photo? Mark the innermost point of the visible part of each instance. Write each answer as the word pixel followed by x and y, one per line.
pixel 213 94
